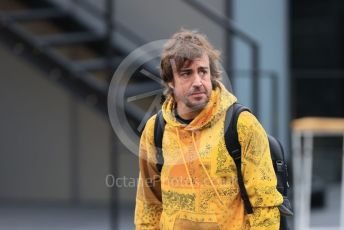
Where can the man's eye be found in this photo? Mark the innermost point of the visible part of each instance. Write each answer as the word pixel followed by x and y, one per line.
pixel 185 74
pixel 204 72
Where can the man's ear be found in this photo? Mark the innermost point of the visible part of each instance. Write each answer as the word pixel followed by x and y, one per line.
pixel 171 84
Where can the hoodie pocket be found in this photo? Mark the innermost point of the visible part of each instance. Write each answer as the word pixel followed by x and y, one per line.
pixel 182 224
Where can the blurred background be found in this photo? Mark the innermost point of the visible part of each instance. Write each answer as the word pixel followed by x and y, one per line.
pixel 58 151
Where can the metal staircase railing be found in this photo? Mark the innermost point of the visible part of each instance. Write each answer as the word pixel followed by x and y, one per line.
pixel 234 29
pixel 49 50
pixel 102 53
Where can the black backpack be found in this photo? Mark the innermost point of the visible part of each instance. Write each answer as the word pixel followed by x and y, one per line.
pixel 234 148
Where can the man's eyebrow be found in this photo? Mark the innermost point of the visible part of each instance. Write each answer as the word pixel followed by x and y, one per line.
pixel 185 69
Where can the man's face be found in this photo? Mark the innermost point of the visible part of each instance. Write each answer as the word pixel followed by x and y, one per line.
pixel 192 85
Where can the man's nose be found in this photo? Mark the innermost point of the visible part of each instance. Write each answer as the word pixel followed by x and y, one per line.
pixel 197 80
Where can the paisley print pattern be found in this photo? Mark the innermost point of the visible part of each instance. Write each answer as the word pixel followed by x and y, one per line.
pixel 198 181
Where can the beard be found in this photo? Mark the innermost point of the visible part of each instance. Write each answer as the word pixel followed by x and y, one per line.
pixel 193 103
pixel 196 107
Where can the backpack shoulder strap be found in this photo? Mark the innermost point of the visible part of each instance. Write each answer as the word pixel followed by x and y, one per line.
pixel 159 127
pixel 234 148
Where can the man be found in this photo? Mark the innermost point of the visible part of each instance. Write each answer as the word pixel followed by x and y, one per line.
pixel 197 187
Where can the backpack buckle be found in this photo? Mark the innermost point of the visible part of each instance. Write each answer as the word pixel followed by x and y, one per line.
pixel 236 154
pixel 280 164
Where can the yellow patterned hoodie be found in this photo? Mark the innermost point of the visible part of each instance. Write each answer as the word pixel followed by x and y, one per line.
pixel 198 187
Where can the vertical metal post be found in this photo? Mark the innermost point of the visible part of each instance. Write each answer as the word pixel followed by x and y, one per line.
pixel 74 151
pixel 229 44
pixel 114 204
pixel 294 81
pixel 255 79
pixel 274 105
pixel 342 189
pixel 306 186
pixel 109 23
pixel 297 176
pixel 110 26
pixel 114 210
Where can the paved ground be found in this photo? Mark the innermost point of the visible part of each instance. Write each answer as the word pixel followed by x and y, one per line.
pixel 43 217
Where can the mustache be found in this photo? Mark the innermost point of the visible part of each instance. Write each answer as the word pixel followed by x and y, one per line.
pixel 197 90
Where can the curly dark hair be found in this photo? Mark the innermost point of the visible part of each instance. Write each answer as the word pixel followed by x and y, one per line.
pixel 184 46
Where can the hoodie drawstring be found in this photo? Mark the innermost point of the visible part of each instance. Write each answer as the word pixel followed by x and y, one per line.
pixel 205 170
pixel 187 169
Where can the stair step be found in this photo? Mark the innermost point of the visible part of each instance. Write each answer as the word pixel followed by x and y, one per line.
pixel 69 38
pixel 10 5
pixel 41 27
pixel 33 14
pixel 98 63
pixel 78 52
pixel 102 76
pixel 77 72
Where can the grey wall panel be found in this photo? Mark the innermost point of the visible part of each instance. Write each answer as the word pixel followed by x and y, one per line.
pixel 34 141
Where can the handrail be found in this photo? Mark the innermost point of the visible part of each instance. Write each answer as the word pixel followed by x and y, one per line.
pixel 206 10
pixel 234 29
pixel 274 90
pixel 98 13
pixel 222 20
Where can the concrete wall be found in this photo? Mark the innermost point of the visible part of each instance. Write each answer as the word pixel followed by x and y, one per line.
pixel 35 119
pixel 152 19
pixel 156 19
pixel 267 22
pixel 35 138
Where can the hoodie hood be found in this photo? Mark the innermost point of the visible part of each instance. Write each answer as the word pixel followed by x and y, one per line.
pixel 197 187
pixel 220 100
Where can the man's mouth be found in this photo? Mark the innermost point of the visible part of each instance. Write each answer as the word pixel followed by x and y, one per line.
pixel 197 93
